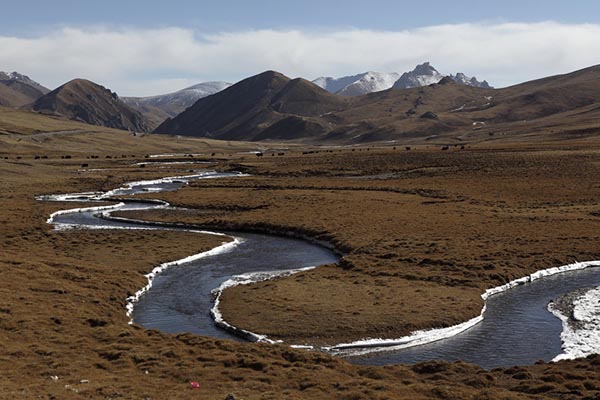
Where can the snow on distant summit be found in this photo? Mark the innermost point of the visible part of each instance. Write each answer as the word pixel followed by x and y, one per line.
pixel 176 102
pixel 369 82
pixel 423 75
pixel 356 85
pixel 334 85
pixel 465 80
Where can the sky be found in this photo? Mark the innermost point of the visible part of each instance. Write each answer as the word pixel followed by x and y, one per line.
pixel 141 48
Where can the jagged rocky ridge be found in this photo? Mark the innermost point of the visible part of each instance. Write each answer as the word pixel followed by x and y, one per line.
pixel 370 82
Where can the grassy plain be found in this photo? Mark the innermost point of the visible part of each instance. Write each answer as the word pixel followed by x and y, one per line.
pixel 418 227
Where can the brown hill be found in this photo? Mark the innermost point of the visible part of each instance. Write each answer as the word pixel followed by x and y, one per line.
pixel 271 106
pixel 544 97
pixel 396 114
pixel 251 109
pixel 85 101
pixel 12 98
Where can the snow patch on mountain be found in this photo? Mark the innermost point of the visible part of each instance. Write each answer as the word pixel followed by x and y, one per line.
pixel 370 82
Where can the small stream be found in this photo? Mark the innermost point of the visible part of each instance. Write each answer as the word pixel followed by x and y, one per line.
pixel 517 328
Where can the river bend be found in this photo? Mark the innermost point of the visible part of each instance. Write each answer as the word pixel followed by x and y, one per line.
pixel 517 328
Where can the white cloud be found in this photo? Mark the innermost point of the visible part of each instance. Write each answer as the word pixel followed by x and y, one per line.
pixel 153 61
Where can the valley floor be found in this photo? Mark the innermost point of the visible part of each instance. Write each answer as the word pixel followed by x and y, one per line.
pixel 425 232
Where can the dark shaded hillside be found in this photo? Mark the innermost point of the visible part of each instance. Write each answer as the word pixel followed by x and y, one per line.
pixel 247 109
pixel 85 101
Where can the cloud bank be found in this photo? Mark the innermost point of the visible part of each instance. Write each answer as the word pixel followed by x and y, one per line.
pixel 155 61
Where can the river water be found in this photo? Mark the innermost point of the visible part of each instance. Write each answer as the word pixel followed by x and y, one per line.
pixel 181 297
pixel 517 328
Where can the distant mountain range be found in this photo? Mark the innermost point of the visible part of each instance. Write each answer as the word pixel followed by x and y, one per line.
pixel 271 106
pixel 370 82
pixel 174 103
pixel 423 106
pixel 470 81
pixel 86 101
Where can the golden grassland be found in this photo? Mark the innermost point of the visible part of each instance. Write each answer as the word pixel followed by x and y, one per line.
pixel 29 134
pixel 416 226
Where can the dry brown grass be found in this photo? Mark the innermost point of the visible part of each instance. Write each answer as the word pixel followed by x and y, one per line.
pixel 27 134
pixel 62 298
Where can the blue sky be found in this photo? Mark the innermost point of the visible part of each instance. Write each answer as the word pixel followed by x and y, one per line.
pixel 22 16
pixel 145 47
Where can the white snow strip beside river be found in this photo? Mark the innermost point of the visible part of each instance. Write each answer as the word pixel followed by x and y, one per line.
pixel 149 163
pixel 176 155
pixel 433 335
pixel 50 220
pixel 583 340
pixel 173 179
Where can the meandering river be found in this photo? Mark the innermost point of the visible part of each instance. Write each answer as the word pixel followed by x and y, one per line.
pixel 517 329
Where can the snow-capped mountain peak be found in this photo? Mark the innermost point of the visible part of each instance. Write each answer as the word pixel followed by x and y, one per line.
pixel 14 76
pixel 423 75
pixel 368 82
pixel 206 88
